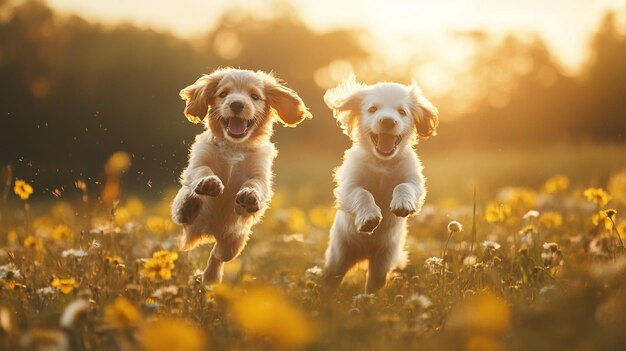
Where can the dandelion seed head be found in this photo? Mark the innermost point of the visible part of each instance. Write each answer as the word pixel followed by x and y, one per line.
pixel 10 271
pixel 531 215
pixel 490 244
pixel 74 253
pixel 551 246
pixel 455 227
pixel 165 292
pixel 470 260
pixel 434 261
pixel 418 301
pixel 46 291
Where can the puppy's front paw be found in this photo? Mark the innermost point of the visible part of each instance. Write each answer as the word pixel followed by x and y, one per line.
pixel 247 201
pixel 402 207
pixel 367 224
pixel 189 210
pixel 211 186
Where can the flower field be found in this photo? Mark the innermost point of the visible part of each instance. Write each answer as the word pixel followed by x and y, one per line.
pixel 530 269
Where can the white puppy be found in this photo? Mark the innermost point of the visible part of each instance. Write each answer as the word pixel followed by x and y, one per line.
pixel 228 184
pixel 380 182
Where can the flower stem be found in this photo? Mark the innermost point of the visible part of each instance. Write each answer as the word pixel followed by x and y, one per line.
pixel 618 234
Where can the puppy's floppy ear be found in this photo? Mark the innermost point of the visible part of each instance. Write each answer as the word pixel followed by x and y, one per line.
pixel 284 102
pixel 198 95
pixel 425 114
pixel 345 101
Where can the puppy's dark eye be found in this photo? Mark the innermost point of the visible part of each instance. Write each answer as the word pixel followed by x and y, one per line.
pixel 372 109
pixel 402 112
pixel 255 97
pixel 223 94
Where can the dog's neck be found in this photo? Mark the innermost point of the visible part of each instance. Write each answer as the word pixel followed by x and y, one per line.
pixel 244 146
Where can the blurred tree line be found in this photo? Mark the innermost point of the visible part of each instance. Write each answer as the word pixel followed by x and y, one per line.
pixel 528 100
pixel 72 92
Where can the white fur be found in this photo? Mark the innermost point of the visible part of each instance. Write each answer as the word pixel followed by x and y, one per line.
pixel 227 185
pixel 375 192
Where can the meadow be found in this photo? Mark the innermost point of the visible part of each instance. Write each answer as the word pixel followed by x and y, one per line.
pixel 533 261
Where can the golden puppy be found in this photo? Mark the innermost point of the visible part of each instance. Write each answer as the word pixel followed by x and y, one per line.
pixel 380 182
pixel 228 184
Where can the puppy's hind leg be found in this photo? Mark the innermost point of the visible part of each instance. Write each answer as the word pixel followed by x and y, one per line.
pixel 338 263
pixel 223 251
pixel 379 266
pixel 186 206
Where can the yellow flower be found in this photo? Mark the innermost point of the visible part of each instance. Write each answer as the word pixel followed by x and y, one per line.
pixel 159 225
pixel 113 260
pixel 43 224
pixel 62 232
pixel 134 207
pixel 617 186
pixel 496 213
pixel 122 216
pixel 122 314
pixel 65 286
pixel 322 217
pixel 118 163
pixel 22 189
pixel 483 313
pixel 168 334
pixel 12 236
pixel 33 242
pixel 160 266
pixel 602 220
pixel 156 269
pixel 63 212
pixel 551 219
pixel 610 213
pixel 597 196
pixel 263 312
pixel 166 256
pixel 519 199
pixel 297 220
pixel 556 184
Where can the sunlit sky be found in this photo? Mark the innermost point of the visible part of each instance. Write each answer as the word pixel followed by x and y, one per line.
pixel 406 26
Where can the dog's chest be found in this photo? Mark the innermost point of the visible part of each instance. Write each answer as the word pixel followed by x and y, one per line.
pixel 233 170
pixel 378 181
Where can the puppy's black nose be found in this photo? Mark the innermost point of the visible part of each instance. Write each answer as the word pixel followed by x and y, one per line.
pixel 236 107
pixel 387 123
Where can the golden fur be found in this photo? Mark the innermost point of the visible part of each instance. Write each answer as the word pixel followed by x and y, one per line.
pixel 378 186
pixel 228 183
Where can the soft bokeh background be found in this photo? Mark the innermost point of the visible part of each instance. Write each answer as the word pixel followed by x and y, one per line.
pixel 533 113
pixel 525 89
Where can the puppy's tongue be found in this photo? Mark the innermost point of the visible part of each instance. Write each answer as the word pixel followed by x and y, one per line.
pixel 385 143
pixel 237 126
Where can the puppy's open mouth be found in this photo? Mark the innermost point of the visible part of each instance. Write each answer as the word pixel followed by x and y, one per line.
pixel 237 127
pixel 385 144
